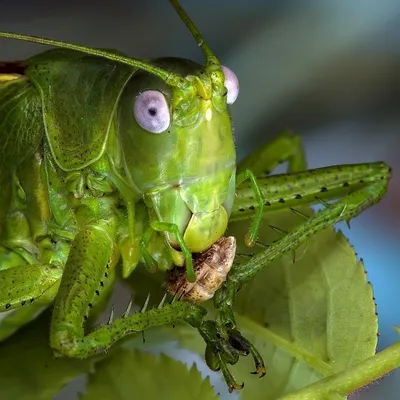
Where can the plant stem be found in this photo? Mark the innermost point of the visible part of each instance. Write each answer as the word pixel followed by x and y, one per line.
pixel 348 381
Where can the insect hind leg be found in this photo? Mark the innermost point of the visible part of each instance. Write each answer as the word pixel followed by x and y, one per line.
pixel 89 261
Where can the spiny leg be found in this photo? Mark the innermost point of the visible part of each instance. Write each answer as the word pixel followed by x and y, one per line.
pixel 365 185
pixel 305 188
pixel 90 254
pixel 285 147
pixel 372 190
pixel 105 336
pixel 25 291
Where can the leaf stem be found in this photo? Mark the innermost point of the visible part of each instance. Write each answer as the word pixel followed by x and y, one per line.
pixel 348 381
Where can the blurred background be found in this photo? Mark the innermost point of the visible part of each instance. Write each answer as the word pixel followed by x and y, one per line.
pixel 327 70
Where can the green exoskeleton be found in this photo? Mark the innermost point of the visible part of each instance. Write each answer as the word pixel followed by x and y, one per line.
pixel 108 161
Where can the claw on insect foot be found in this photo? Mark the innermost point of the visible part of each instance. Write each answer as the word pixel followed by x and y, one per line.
pixel 225 348
pixel 241 344
pixel 229 378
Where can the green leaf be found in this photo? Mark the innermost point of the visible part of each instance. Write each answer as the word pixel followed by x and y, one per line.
pixel 311 318
pixel 28 368
pixel 135 374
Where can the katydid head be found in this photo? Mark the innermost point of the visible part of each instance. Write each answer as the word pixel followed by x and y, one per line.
pixel 190 169
pixel 179 152
pixel 178 144
pixel 176 135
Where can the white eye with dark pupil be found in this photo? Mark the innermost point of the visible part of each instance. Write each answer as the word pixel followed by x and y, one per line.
pixel 151 111
pixel 231 83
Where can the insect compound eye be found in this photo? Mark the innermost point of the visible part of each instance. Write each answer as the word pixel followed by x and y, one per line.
pixel 231 84
pixel 151 111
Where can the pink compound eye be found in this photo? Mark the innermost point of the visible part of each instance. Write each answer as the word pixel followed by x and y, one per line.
pixel 151 111
pixel 231 84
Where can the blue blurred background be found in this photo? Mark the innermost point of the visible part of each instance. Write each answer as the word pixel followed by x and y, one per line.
pixel 327 70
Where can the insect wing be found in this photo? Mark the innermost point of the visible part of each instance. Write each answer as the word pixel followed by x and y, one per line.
pixel 21 123
pixel 79 96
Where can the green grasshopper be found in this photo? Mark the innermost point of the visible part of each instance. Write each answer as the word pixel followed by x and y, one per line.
pixel 108 161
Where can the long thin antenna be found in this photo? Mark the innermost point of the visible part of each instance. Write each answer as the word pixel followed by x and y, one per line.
pixel 169 77
pixel 210 57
